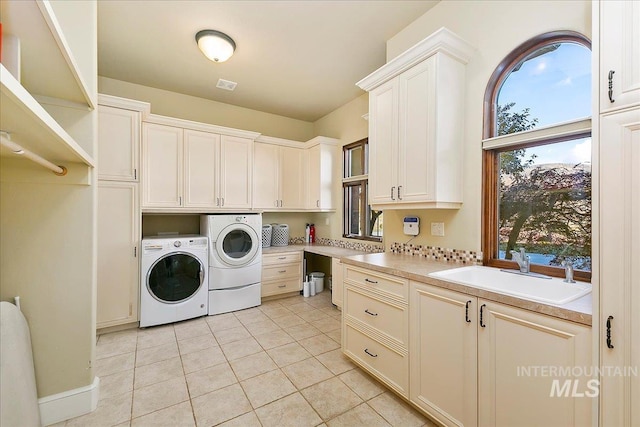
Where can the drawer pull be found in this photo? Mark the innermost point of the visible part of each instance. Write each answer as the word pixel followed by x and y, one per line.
pixel 282 286
pixel 282 257
pixel 481 314
pixel 609 344
pixel 366 350
pixel 282 271
pixel 370 313
pixel 370 281
pixel 466 312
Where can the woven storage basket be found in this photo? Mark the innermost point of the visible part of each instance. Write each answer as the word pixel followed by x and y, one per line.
pixel 280 235
pixel 266 235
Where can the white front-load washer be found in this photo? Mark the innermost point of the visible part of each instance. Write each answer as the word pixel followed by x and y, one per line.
pixel 235 260
pixel 174 279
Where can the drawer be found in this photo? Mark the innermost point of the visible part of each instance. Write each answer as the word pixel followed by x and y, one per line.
pixel 281 287
pixel 282 271
pixel 385 283
pixel 388 318
pixel 282 258
pixel 383 362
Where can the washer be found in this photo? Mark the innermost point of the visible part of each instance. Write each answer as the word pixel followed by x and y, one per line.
pixel 235 260
pixel 174 279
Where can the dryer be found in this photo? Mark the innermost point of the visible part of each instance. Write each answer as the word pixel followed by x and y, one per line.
pixel 235 260
pixel 174 279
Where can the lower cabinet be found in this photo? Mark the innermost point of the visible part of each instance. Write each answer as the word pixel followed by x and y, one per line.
pixel 336 282
pixel 118 267
pixel 477 362
pixel 281 273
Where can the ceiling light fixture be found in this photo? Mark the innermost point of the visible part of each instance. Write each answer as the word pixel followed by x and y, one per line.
pixel 215 45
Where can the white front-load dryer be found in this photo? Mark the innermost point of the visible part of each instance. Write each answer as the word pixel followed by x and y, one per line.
pixel 174 279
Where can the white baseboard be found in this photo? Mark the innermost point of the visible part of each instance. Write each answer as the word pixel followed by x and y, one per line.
pixel 69 404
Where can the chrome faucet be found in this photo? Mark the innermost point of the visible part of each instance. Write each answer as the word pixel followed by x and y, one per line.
pixel 522 259
pixel 568 272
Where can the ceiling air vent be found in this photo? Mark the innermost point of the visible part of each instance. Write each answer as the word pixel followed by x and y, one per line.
pixel 226 84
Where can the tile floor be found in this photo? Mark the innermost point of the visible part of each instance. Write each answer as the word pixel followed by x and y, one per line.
pixel 278 364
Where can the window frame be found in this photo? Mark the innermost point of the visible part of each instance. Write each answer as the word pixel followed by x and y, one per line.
pixel 493 145
pixel 354 181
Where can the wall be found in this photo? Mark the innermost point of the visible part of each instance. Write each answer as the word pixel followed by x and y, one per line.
pixel 187 107
pixel 494 28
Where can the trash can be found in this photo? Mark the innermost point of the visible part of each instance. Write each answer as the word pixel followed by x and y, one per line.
pixel 317 278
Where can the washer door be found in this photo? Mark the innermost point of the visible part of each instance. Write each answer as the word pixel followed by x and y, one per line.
pixel 237 245
pixel 175 278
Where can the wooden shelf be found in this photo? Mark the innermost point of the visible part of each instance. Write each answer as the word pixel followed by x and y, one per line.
pixel 31 126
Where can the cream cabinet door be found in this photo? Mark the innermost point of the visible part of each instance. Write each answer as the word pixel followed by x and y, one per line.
pixel 291 178
pixel 619 53
pixel 443 354
pixel 266 176
pixel 320 163
pixel 118 271
pixel 161 166
pixel 383 143
pixel 619 275
pixel 512 344
pixel 200 158
pixel 236 172
pixel 118 143
pixel 337 285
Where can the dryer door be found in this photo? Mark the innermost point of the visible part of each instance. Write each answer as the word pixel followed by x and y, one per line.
pixel 237 245
pixel 175 278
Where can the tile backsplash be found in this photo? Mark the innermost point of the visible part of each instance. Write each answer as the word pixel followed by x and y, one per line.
pixel 432 253
pixel 347 244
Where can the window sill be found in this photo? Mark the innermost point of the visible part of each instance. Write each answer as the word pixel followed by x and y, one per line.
pixel 369 239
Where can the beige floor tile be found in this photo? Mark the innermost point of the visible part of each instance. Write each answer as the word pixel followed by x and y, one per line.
pixel 179 415
pixel 202 359
pixel 288 354
pixel 267 388
pixel 155 336
pixel 275 311
pixel 116 384
pixel 191 328
pixel 313 315
pixel 395 411
pixel 110 411
pixel 335 335
pixel 335 361
pixel 326 325
pixel 238 349
pixel 210 379
pixel 318 344
pixel 157 354
pixel 220 322
pixel 274 339
pixel 194 344
pixel 304 330
pixel 331 310
pixel 301 307
pixel 230 335
pixel 120 336
pixel 307 372
pixel 250 366
pixel 361 415
pixel 114 364
pixel 159 396
pixel 289 320
pixel 128 424
pixel 104 350
pixel 254 315
pixel 220 405
pixel 291 411
pixel 158 372
pixel 289 301
pixel 331 398
pixel 250 419
pixel 262 327
pixel 363 384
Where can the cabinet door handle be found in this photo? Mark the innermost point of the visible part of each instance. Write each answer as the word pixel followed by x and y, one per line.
pixel 282 286
pixel 282 257
pixel 180 200
pixel 222 201
pixel 466 311
pixel 366 350
pixel 317 203
pixel 481 314
pixel 135 251
pixel 609 344
pixel 135 174
pixel 399 187
pixel 392 190
pixel 370 313
pixel 611 73
pixel 370 281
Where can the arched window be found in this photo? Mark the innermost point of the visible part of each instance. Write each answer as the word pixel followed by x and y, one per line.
pixel 537 156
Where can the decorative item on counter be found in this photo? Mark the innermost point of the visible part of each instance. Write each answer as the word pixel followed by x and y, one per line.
pixel 312 233
pixel 266 235
pixel 307 234
pixel 279 235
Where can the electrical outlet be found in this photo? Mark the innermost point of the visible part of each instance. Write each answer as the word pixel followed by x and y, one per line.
pixel 437 228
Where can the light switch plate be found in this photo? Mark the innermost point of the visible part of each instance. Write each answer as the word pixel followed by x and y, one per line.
pixel 437 229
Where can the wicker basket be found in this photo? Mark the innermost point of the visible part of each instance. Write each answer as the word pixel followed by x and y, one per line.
pixel 280 235
pixel 266 235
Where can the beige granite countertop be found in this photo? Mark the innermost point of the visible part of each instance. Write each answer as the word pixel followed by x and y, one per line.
pixel 331 251
pixel 418 269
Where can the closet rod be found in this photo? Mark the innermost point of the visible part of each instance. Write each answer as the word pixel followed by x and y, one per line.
pixel 5 140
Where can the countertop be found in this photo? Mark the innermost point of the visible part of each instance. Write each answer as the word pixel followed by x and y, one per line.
pixel 418 269
pixel 331 251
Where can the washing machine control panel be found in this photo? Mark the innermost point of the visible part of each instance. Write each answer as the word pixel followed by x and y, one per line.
pixel 177 243
pixel 242 219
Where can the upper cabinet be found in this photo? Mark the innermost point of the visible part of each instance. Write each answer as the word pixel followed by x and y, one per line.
pixel 416 105
pixel 619 54
pixel 321 162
